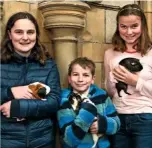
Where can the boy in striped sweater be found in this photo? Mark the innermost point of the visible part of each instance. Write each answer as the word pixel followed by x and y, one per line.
pixel 77 128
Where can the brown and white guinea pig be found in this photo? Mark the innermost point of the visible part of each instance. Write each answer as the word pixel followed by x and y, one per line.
pixel 39 90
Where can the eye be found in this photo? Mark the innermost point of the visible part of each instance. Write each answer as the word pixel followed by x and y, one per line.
pixel 134 26
pixel 30 31
pixel 18 31
pixel 133 63
pixel 123 26
pixel 74 74
pixel 86 75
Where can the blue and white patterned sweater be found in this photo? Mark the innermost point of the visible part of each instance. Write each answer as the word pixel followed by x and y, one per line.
pixel 75 127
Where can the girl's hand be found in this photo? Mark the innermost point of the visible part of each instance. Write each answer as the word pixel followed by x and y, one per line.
pixel 122 74
pixel 22 92
pixel 5 109
pixel 94 127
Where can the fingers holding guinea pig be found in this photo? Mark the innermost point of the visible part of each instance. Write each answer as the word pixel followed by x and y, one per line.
pixel 120 73
pixel 22 92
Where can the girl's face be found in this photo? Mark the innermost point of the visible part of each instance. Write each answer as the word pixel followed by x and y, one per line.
pixel 23 36
pixel 81 79
pixel 130 28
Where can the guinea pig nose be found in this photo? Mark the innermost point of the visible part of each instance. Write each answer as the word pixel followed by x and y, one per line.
pixel 42 92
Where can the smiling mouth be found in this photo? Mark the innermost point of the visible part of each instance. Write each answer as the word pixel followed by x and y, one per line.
pixel 80 85
pixel 130 37
pixel 24 43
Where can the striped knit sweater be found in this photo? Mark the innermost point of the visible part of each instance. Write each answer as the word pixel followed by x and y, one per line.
pixel 75 127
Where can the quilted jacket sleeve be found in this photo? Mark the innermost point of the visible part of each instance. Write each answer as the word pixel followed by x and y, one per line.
pixel 6 95
pixel 39 109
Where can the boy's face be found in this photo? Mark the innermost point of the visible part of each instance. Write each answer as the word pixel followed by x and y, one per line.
pixel 81 79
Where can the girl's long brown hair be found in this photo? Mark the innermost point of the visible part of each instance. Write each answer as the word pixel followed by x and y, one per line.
pixel 39 52
pixel 144 43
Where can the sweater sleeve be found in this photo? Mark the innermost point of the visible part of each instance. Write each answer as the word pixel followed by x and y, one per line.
pixel 74 127
pixel 144 87
pixel 109 85
pixel 108 123
pixel 145 77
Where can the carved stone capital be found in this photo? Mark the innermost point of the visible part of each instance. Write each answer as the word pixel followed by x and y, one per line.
pixel 63 14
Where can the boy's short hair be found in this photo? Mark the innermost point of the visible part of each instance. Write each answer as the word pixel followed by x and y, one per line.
pixel 84 62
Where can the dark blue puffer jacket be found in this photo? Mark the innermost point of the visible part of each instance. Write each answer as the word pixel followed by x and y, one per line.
pixel 36 131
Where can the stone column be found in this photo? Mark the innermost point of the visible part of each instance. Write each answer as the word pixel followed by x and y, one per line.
pixel 147 7
pixel 64 20
pixel 1 21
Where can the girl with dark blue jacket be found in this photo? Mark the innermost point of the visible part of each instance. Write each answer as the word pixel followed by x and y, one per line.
pixel 25 120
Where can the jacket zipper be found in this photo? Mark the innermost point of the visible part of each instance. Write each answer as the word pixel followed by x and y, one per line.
pixel 26 124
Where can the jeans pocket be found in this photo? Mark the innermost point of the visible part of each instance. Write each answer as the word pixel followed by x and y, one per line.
pixel 145 116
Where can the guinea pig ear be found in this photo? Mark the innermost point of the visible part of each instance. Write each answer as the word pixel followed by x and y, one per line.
pixel 39 86
pixel 32 87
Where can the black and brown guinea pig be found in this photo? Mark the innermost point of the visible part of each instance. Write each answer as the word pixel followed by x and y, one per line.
pixel 131 64
pixel 39 90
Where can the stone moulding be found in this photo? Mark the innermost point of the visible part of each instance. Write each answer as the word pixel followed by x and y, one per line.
pixel 63 14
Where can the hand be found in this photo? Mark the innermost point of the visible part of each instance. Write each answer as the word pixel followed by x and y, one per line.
pixel 122 74
pixel 5 109
pixel 94 127
pixel 22 92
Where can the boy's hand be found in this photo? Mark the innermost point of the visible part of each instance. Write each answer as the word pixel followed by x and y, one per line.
pixel 22 92
pixel 94 128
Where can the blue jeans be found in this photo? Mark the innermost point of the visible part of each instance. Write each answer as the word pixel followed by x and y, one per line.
pixel 135 131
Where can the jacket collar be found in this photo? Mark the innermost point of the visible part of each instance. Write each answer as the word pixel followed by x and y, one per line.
pixel 92 91
pixel 21 59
